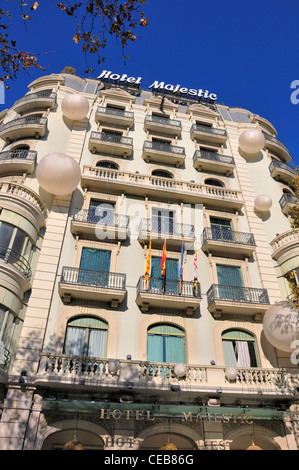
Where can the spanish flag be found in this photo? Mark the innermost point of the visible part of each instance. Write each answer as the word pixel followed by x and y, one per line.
pixel 195 272
pixel 163 264
pixel 148 263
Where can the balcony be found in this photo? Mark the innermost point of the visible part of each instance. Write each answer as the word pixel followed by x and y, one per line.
pixel 30 126
pixel 115 117
pixel 285 246
pixel 163 153
pixel 112 144
pixel 74 371
pixel 208 134
pixel 276 146
pixel 220 241
pixel 158 230
pixel 162 125
pixel 282 172
pixel 39 100
pixel 27 201
pixel 92 285
pixel 174 294
pixel 289 203
pixel 15 272
pixel 204 160
pixel 236 300
pixel 98 179
pixel 17 161
pixel 111 226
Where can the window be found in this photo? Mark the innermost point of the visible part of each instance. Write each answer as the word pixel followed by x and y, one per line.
pixel 165 343
pixel 107 164
pixel 213 182
pixel 221 228
pixel 6 327
pixel 13 243
pixel 239 348
pixel 162 174
pixel 86 336
pixel 94 267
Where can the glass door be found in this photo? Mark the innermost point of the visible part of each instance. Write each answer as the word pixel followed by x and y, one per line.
pixel 221 229
pixel 94 267
pixel 100 211
pixel 171 279
pixel 163 221
pixel 230 282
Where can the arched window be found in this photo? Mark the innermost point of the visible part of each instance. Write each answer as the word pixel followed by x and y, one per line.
pixel 107 164
pixel 162 173
pixel 213 182
pixel 86 336
pixel 239 348
pixel 165 343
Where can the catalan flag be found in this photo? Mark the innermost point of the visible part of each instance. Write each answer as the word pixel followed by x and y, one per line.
pixel 163 265
pixel 148 263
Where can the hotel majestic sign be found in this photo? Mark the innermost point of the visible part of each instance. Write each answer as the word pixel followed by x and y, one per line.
pixel 156 85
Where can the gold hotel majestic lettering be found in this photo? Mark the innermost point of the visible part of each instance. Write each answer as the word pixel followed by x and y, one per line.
pixel 147 415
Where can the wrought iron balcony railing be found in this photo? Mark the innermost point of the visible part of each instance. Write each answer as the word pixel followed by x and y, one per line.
pixel 4 356
pixel 283 166
pixel 288 199
pixel 270 138
pixel 208 129
pixel 166 227
pixel 116 112
pixel 226 235
pixel 175 287
pixel 163 147
pixel 113 138
pixel 18 154
pixel 23 122
pixel 103 218
pixel 236 293
pixel 39 94
pixel 213 156
pixel 15 259
pixel 163 120
pixel 92 278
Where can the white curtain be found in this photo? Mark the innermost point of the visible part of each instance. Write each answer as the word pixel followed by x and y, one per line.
pixel 97 343
pixel 74 343
pixel 243 354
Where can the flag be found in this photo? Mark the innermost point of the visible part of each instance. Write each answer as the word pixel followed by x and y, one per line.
pixel 163 264
pixel 181 268
pixel 148 263
pixel 195 271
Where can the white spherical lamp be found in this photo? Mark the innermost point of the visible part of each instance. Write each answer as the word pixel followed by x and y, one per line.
pixel 281 326
pixel 113 366
pixel 75 106
pixel 231 373
pixel 262 203
pixel 58 174
pixel 180 370
pixel 251 141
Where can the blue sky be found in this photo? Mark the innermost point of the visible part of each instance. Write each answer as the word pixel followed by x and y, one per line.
pixel 246 52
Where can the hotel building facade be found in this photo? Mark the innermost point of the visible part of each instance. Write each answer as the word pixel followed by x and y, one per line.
pixel 91 349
